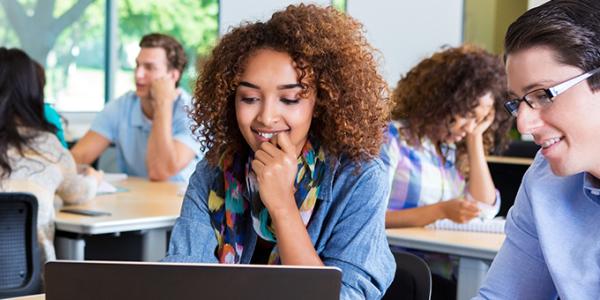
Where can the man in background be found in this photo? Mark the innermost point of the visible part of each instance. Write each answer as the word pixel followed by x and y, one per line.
pixel 149 126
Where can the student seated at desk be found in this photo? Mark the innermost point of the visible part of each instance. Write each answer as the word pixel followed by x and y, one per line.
pixel 292 114
pixel 150 127
pixel 448 114
pixel 552 248
pixel 31 157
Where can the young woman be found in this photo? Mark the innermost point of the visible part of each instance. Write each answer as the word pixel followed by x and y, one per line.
pixel 292 114
pixel 553 65
pixel 448 112
pixel 31 157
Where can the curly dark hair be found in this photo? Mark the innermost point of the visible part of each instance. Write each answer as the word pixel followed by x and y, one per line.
pixel 333 59
pixel 449 84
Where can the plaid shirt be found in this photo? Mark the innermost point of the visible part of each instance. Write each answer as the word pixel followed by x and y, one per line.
pixel 419 176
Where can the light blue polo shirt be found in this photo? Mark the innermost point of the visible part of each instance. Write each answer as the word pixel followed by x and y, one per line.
pixel 124 124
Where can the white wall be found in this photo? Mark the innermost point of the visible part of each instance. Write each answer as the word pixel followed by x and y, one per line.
pixel 534 3
pixel 233 12
pixel 406 31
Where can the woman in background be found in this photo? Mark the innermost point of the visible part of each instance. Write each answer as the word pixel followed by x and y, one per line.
pixel 31 157
pixel 292 114
pixel 448 115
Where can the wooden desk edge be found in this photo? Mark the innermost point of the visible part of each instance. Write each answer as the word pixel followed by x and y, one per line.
pixel 509 160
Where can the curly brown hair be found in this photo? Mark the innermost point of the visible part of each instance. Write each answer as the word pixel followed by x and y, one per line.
pixel 333 59
pixel 449 84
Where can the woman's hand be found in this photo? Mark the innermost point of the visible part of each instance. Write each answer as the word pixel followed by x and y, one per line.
pixel 87 170
pixel 484 124
pixel 98 175
pixel 459 210
pixel 276 170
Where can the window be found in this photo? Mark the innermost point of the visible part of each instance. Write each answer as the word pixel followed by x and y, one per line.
pixel 68 38
pixel 193 23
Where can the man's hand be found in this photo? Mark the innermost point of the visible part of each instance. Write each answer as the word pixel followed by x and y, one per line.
pixel 163 92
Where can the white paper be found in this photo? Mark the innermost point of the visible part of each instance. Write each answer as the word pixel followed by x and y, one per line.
pixel 475 225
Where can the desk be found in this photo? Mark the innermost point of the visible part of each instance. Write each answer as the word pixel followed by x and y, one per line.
pixel 509 160
pixel 475 251
pixel 149 206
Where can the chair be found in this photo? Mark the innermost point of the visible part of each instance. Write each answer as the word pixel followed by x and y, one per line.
pixel 412 280
pixel 19 255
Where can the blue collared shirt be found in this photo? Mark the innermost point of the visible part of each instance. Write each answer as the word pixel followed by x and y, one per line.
pixel 123 123
pixel 346 228
pixel 552 247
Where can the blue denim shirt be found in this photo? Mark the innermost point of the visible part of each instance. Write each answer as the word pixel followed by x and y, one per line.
pixel 347 227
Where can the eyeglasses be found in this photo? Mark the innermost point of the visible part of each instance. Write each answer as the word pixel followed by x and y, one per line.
pixel 543 97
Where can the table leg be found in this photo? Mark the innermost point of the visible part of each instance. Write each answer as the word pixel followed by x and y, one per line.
pixel 154 244
pixel 69 248
pixel 471 272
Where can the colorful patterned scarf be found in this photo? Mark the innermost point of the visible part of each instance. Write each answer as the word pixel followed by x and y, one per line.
pixel 234 198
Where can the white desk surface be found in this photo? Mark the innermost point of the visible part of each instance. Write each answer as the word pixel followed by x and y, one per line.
pixel 460 243
pixel 146 205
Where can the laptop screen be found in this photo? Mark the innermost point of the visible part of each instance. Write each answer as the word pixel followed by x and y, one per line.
pixel 142 280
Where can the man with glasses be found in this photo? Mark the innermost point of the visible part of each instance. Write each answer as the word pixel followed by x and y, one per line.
pixel 552 246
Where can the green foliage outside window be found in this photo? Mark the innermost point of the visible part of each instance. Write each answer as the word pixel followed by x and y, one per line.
pixel 68 36
pixel 339 4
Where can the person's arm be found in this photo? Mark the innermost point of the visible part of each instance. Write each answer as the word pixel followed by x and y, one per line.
pixel 75 187
pixel 193 238
pixel 165 156
pixel 102 132
pixel 407 176
pixel 358 243
pixel 89 147
pixel 480 185
pixel 276 171
pixel 519 271
pixel 457 210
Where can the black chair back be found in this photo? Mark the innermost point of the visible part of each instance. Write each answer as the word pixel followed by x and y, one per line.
pixel 19 254
pixel 412 280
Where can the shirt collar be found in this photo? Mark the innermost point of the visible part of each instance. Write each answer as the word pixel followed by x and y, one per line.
pixel 138 119
pixel 591 187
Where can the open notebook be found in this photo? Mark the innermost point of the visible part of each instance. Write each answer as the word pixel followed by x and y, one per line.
pixel 106 187
pixel 475 225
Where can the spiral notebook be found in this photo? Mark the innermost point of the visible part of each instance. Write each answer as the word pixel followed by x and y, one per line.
pixel 475 225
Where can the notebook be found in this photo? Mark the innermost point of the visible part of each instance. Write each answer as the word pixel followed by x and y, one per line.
pixel 106 186
pixel 475 225
pixel 67 280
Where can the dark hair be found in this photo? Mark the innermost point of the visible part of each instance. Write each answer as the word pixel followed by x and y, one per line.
pixel 21 104
pixel 176 58
pixel 333 57
pixel 569 27
pixel 446 85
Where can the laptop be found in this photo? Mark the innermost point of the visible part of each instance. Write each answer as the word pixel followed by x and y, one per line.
pixel 143 280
